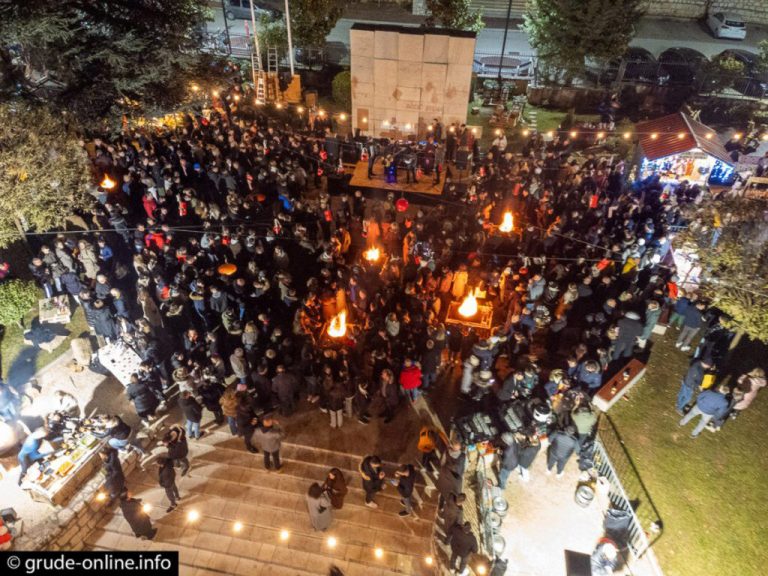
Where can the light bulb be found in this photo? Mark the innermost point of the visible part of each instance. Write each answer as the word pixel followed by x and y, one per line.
pixel 237 526
pixel 379 553
pixel 284 535
pixel 331 542
pixel 193 515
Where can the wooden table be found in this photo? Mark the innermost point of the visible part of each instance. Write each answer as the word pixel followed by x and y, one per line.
pixel 56 488
pixel 616 387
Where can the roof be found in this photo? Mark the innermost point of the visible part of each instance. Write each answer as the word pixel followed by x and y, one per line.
pixel 668 140
pixel 413 30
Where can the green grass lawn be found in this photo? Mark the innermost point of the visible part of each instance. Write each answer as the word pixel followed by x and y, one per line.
pixel 711 492
pixel 19 357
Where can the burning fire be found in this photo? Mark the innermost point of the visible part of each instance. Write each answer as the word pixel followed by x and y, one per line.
pixel 107 183
pixel 506 223
pixel 338 326
pixel 468 308
pixel 372 254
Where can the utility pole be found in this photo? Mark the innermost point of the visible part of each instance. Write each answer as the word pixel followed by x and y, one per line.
pixel 504 43
pixel 226 28
pixel 255 44
pixel 290 40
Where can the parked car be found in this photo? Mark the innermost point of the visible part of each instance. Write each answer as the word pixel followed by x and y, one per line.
pixel 241 10
pixel 641 66
pixel 725 25
pixel 682 65
pixel 754 82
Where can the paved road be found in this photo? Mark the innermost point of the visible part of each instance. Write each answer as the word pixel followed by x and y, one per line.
pixel 656 35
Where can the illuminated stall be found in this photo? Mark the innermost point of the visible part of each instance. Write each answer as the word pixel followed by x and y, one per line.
pixel 677 148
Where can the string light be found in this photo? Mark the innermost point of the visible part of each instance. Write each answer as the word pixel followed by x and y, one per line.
pixel 654 136
pixel 365 120
pixel 342 116
pixel 550 134
pixel 215 93
pixel 430 128
pixel 474 130
pixel 627 135
pixel 279 106
pixel 321 113
pixel 300 109
pixel 681 135
pixel 764 137
pixel 481 569
pixel 258 102
pixel 237 526
pixel 737 136
pixel 284 535
pixel 574 133
pixel 385 123
pixel 709 136
pixel 193 516
pixel 331 542
pixel 379 553
pixel 195 87
pixel 600 135
pixel 146 508
pixel 237 97
pixel 408 126
pixel 526 132
pixel 101 497
pixel 428 560
pixel 498 132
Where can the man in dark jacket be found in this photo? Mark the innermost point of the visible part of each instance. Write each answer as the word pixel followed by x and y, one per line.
pixel 563 443
pixel 430 362
pixel 175 442
pixel 114 481
pixel 509 458
pixel 630 329
pixel 136 517
pixel 167 479
pixel 284 386
pixel 145 399
pixel 691 382
pixel 710 405
pixel 463 543
pixel 193 413
pixel 693 319
pixel 373 478
pixel 246 419
pixel 406 482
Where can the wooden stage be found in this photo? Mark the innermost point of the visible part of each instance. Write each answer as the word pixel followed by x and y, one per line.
pixel 424 186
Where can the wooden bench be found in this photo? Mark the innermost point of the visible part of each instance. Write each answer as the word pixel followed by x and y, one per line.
pixel 618 385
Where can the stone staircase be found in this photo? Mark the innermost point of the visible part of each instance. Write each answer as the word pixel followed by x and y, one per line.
pixel 227 484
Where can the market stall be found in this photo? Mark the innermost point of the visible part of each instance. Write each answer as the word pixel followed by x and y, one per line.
pixel 677 147
pixel 61 473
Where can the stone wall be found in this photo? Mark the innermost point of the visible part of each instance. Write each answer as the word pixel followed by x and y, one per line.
pixel 68 526
pixel 751 10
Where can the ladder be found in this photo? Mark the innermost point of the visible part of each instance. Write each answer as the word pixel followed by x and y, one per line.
pixel 272 60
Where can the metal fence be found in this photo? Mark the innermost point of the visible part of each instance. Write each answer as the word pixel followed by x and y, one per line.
pixel 627 491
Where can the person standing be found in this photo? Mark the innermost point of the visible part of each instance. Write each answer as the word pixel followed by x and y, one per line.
pixel 563 443
pixel 405 480
pixel 167 479
pixel 463 543
pixel 410 379
pixel 268 437
pixel 690 383
pixel 710 405
pixel 284 386
pixel 335 486
pixel 193 413
pixel 246 420
pixel 747 387
pixel 137 519
pixel 319 507
pixel 145 399
pixel 175 441
pixel 114 481
pixel 373 478
pixel 693 320
pixel 30 451
pixel 453 511
pixel 509 458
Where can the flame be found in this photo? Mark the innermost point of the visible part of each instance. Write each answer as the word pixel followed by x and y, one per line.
pixel 338 325
pixel 507 223
pixel 372 254
pixel 107 183
pixel 468 308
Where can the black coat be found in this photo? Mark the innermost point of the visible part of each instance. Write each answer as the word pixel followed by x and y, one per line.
pixel 462 543
pixel 210 393
pixel 136 517
pixel 563 445
pixel 178 448
pixel 104 323
pixel 143 397
pixel 167 475
pixel 191 409
pixel 114 482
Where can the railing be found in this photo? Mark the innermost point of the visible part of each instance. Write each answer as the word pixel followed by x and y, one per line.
pixel 627 491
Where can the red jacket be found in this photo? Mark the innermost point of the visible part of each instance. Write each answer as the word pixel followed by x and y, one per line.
pixel 410 378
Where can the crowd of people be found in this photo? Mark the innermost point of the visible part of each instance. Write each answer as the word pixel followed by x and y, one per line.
pixel 221 259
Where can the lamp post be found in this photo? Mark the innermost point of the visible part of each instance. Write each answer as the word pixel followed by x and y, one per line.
pixel 504 43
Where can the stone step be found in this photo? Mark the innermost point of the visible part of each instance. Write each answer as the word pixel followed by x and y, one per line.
pixel 220 437
pixel 232 452
pixel 302 550
pixel 288 511
pixel 237 479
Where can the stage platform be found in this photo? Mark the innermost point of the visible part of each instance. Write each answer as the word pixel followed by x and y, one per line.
pixel 424 186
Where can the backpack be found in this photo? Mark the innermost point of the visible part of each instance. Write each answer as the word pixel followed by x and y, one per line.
pixel 426 440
